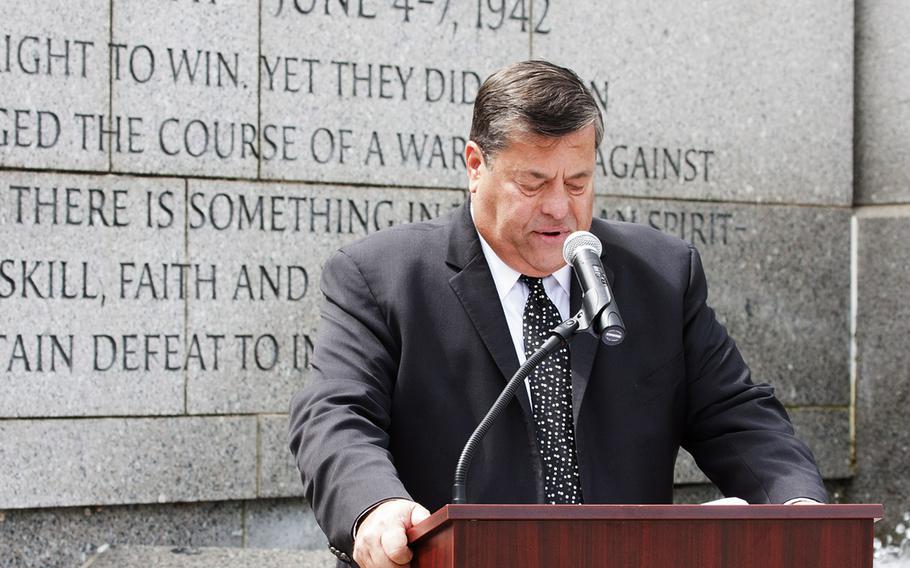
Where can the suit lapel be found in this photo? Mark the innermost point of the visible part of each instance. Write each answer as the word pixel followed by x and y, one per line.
pixel 582 349
pixel 474 287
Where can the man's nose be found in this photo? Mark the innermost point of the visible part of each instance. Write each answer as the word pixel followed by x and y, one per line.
pixel 555 201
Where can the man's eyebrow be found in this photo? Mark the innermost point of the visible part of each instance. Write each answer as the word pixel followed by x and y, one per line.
pixel 540 175
pixel 582 174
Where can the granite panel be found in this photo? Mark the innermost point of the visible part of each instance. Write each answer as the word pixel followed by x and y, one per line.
pixel 882 93
pixel 282 523
pixel 278 475
pixel 181 557
pixel 827 433
pixel 779 280
pixel 53 463
pixel 55 87
pixel 687 472
pixel 67 537
pixel 883 366
pixel 696 494
pixel 90 293
pixel 267 243
pixel 715 100
pixel 185 75
pixel 391 102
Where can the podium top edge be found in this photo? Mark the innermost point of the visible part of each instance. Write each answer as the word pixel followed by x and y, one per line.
pixel 491 512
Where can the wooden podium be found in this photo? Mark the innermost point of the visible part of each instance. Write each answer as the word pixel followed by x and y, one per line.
pixel 646 536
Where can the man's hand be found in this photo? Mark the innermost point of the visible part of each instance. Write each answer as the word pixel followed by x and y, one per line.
pixel 381 541
pixel 802 501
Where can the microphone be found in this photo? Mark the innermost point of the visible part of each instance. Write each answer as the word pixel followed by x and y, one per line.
pixel 599 313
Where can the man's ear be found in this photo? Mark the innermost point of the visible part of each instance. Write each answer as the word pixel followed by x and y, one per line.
pixel 475 163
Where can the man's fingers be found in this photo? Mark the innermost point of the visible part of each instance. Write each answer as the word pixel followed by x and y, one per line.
pixel 374 558
pixel 362 548
pixel 381 540
pixel 418 515
pixel 395 545
pixel 368 553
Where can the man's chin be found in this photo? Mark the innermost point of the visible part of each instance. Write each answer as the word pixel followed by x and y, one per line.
pixel 547 266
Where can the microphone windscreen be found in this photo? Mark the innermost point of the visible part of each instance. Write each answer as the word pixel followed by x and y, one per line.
pixel 579 240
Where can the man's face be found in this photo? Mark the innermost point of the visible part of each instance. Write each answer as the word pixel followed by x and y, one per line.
pixel 531 195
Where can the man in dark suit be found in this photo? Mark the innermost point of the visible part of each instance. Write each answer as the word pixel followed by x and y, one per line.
pixel 422 325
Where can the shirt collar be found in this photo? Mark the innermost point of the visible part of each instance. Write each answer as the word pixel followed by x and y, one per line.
pixel 505 277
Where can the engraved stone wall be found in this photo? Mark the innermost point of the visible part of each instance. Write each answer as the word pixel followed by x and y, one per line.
pixel 174 173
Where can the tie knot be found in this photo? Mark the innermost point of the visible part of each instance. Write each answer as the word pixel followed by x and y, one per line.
pixel 532 282
pixel 536 292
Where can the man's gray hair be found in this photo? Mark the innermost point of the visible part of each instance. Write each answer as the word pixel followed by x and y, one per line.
pixel 535 97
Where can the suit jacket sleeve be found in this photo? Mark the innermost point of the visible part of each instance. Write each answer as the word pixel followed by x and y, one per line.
pixel 737 431
pixel 339 420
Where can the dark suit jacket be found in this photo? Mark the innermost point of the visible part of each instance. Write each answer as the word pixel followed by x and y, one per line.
pixel 413 348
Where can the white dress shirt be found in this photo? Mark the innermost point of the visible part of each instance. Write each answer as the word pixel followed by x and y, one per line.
pixel 513 293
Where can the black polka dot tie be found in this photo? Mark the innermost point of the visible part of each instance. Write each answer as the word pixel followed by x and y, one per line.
pixel 551 396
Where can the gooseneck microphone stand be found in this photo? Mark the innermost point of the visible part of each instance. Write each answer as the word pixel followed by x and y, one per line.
pixel 559 336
